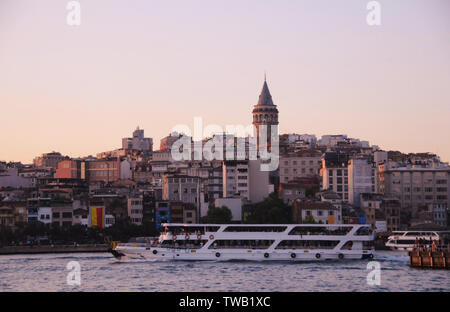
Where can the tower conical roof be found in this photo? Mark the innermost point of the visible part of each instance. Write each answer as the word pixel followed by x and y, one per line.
pixel 265 98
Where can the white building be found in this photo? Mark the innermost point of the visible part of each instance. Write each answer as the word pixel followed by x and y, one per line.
pixel 309 138
pixel 361 179
pixel 244 178
pixel 109 220
pixel 348 177
pixel 126 171
pixel 235 178
pixel 324 214
pixel 45 215
pixel 341 139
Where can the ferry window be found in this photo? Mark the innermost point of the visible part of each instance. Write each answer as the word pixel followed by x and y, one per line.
pixel 347 245
pixel 320 230
pixel 184 244
pixel 364 231
pixel 241 244
pixel 255 229
pixel 307 244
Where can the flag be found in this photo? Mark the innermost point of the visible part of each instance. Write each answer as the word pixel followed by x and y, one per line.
pixel 98 217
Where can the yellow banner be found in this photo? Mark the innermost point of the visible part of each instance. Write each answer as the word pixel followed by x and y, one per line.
pixel 97 216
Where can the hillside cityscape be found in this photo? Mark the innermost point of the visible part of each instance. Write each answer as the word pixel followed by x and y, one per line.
pixel 130 191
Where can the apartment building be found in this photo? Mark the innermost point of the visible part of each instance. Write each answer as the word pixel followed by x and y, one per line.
pixel 181 188
pixel 183 213
pixel 415 186
pixel 71 169
pixel 305 163
pixel 62 212
pixel 135 209
pixel 316 211
pixel 391 208
pixel 12 212
pixel 138 142
pixel 49 160
pixel 245 179
pixel 334 174
pixel 291 191
pixel 235 178
pixel 361 179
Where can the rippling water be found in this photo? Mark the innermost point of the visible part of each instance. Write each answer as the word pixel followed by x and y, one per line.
pixel 100 272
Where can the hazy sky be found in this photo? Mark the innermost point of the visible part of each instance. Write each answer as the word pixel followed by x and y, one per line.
pixel 155 64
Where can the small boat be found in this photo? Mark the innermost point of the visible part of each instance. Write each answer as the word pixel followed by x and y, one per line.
pixel 406 240
pixel 254 242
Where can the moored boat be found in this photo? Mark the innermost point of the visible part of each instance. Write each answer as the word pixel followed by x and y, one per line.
pixel 407 240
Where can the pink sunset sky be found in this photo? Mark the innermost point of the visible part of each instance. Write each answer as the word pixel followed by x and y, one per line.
pixel 155 64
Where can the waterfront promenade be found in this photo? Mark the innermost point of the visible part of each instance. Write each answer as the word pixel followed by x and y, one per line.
pixel 11 250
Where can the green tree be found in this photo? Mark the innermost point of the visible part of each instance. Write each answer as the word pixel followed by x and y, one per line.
pixel 271 210
pixel 219 215
pixel 310 191
pixel 309 219
pixel 123 230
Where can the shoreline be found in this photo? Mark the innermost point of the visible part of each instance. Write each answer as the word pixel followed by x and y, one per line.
pixel 19 250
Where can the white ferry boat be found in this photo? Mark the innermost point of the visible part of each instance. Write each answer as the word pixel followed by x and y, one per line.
pixel 256 242
pixel 405 240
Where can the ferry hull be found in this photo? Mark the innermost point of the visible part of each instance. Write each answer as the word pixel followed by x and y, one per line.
pixel 397 248
pixel 162 254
